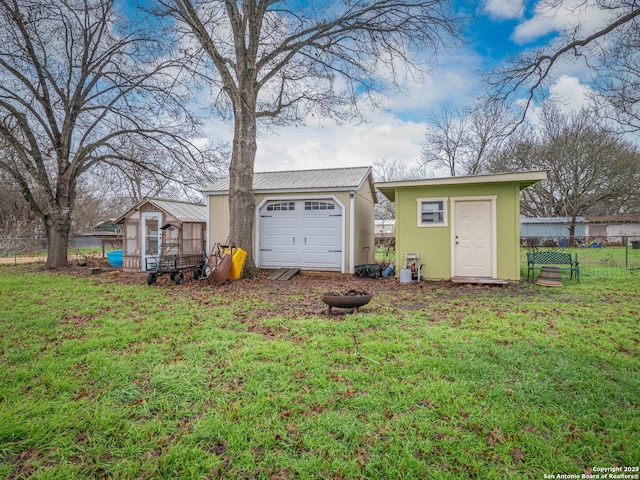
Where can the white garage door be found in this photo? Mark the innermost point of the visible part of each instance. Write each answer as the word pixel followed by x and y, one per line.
pixel 301 233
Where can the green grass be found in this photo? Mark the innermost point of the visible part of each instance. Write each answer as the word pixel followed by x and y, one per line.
pixel 99 379
pixel 599 263
pixel 72 252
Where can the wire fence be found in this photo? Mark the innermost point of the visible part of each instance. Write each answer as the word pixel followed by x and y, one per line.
pixel 34 250
pixel 613 257
pixel 599 257
pixel 602 257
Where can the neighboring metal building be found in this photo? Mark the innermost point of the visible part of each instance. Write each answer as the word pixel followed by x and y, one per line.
pixel 622 225
pixel 551 227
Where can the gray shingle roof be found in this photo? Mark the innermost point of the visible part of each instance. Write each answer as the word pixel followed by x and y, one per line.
pixel 301 180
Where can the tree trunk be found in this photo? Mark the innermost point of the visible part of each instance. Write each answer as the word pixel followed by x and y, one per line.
pixel 241 200
pixel 572 232
pixel 57 221
pixel 57 226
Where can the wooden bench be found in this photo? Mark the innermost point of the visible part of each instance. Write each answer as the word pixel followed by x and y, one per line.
pixel 538 259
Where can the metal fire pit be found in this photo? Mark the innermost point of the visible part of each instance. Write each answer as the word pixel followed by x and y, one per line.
pixel 350 299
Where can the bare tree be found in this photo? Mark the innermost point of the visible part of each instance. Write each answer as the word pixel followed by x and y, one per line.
pixel 276 61
pixel 612 51
pixel 16 219
pixel 590 170
pixel 617 92
pixel 77 85
pixel 160 175
pixel 388 170
pixel 460 142
pixel 445 140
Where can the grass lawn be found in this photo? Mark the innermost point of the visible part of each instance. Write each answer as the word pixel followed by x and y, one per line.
pixel 612 262
pixel 105 377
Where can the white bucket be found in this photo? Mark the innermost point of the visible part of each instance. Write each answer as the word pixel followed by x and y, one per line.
pixel 405 275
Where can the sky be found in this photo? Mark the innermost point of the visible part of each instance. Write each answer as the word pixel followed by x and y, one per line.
pixel 494 30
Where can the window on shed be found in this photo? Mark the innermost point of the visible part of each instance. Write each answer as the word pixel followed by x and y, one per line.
pixel 192 238
pixel 131 237
pixel 171 240
pixel 432 212
pixel 313 205
pixel 281 206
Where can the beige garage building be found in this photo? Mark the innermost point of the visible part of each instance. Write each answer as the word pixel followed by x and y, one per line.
pixel 308 219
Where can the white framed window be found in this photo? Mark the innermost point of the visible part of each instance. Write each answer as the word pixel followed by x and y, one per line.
pixel 281 206
pixel 312 205
pixel 432 212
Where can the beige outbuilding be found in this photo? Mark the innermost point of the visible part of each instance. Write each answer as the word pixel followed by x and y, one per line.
pixel 308 219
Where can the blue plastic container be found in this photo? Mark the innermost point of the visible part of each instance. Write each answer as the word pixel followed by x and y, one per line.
pixel 115 258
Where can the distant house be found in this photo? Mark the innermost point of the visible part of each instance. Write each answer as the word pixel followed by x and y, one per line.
pixel 462 228
pixel 106 226
pixel 551 227
pixel 621 225
pixel 143 234
pixel 613 227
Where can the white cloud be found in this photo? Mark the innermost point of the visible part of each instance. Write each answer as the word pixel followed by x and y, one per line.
pixel 395 132
pixel 568 92
pixel 572 94
pixel 504 9
pixel 324 144
pixel 454 79
pixel 560 17
pixel 330 145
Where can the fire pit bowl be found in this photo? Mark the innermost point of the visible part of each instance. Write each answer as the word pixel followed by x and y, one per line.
pixel 349 299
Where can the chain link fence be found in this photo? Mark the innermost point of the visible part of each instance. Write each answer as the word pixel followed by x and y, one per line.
pixel 612 257
pixel 34 250
pixel 599 257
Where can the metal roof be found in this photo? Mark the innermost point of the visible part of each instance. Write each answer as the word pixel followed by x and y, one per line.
pixel 524 179
pixel 550 220
pixel 301 180
pixel 619 218
pixel 182 211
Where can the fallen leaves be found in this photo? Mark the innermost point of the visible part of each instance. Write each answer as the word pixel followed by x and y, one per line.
pixel 425 402
pixel 518 456
pixel 495 436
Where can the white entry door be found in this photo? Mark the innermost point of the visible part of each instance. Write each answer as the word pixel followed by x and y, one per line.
pixel 301 233
pixel 474 239
pixel 151 238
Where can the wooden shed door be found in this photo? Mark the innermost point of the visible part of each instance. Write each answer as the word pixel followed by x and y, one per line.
pixel 473 238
